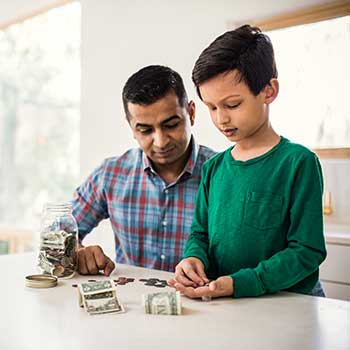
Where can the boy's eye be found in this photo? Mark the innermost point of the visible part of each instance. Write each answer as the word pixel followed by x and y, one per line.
pixel 233 105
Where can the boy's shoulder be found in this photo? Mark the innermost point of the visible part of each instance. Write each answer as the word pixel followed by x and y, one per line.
pixel 295 150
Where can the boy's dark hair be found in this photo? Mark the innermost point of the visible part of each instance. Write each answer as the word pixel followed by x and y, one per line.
pixel 245 49
pixel 150 84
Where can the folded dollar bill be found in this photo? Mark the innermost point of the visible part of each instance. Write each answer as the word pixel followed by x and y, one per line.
pixel 99 297
pixel 162 303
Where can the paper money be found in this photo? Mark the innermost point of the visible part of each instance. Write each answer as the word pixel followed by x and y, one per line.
pixel 99 297
pixel 162 303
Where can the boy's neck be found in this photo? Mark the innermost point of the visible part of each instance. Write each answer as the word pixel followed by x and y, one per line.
pixel 256 146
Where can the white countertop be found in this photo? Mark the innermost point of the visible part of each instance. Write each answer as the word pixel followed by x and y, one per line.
pixel 51 319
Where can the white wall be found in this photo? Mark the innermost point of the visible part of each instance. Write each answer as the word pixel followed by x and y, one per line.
pixel 120 37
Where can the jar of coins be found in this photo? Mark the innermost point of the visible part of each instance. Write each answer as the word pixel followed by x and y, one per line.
pixel 58 240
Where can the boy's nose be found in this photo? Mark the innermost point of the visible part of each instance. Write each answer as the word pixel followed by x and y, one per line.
pixel 222 117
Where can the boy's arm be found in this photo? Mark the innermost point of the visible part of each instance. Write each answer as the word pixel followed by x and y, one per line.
pixel 305 241
pixel 198 243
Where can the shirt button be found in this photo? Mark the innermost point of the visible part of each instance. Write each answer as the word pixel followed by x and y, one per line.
pixel 166 191
pixel 164 223
pixel 162 256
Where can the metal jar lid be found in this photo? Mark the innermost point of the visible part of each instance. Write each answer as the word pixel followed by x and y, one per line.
pixel 41 281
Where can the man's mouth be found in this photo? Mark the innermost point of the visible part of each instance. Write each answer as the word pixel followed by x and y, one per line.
pixel 228 132
pixel 164 153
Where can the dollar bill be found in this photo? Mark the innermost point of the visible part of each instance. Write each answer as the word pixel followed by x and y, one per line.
pixel 162 303
pixel 99 297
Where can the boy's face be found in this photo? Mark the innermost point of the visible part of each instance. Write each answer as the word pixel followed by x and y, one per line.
pixel 163 129
pixel 234 109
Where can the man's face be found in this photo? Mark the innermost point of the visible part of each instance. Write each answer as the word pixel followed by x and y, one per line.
pixel 234 109
pixel 163 129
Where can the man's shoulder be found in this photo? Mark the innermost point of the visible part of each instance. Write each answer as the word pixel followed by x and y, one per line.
pixel 122 164
pixel 214 161
pixel 204 153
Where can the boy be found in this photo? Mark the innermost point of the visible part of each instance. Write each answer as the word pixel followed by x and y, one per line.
pixel 258 225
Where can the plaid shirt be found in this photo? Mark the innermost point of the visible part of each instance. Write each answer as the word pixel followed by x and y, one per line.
pixel 150 219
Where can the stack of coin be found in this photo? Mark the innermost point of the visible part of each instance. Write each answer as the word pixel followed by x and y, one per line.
pixel 41 281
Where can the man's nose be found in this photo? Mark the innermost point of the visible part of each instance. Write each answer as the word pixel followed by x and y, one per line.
pixel 160 139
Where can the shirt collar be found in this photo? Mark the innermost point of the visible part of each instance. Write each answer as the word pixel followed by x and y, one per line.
pixel 189 167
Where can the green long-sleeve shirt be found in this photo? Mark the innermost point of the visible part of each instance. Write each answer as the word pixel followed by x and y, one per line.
pixel 260 220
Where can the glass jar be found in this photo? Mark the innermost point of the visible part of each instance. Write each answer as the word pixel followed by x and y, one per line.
pixel 58 240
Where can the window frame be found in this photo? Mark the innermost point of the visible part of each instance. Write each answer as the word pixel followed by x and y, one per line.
pixel 307 15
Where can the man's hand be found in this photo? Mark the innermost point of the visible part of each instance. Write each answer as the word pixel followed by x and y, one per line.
pixel 221 287
pixel 92 259
pixel 189 272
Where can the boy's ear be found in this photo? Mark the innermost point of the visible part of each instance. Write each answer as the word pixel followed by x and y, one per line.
pixel 271 90
pixel 192 111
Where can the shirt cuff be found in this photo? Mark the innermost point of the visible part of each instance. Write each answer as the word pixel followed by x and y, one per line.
pixel 247 284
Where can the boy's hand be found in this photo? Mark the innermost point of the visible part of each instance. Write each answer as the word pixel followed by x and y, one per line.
pixel 190 272
pixel 221 287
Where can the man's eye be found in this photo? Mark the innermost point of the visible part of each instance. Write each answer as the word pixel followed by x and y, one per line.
pixel 171 126
pixel 145 131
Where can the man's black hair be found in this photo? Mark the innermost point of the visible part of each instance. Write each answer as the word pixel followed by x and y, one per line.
pixel 150 84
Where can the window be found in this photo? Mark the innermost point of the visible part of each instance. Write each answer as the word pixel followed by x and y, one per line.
pixel 312 50
pixel 39 116
pixel 313 63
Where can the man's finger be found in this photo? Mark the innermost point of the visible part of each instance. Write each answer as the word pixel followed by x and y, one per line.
pixel 82 268
pixel 100 258
pixel 90 261
pixel 109 267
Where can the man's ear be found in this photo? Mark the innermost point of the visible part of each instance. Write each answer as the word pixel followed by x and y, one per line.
pixel 271 90
pixel 192 111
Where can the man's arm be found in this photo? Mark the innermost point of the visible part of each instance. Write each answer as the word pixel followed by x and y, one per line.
pixel 89 208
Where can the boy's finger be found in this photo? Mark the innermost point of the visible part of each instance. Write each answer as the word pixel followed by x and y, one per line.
pixel 201 273
pixel 213 286
pixel 191 274
pixel 171 282
pixel 188 291
pixel 181 278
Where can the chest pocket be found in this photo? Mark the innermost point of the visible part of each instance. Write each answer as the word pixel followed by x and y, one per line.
pixel 263 210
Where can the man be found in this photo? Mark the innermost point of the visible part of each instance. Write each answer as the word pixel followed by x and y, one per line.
pixel 148 193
